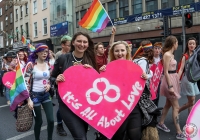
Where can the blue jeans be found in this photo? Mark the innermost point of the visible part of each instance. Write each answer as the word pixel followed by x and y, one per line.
pixel 40 97
pixel 7 91
pixel 59 119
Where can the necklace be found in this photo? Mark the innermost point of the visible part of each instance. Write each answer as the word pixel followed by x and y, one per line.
pixel 77 62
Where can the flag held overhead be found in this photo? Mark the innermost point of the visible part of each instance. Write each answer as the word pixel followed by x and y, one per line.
pixel 96 18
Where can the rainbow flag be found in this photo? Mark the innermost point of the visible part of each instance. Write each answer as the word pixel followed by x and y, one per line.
pixel 96 18
pixel 31 48
pixel 18 91
pixel 23 40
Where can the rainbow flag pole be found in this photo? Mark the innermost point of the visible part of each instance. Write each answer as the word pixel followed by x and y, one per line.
pixel 96 18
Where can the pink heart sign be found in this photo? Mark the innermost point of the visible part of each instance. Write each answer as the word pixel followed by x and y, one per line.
pixel 8 79
pixel 155 80
pixel 103 100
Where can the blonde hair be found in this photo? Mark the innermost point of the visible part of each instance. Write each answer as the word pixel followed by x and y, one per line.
pixel 111 52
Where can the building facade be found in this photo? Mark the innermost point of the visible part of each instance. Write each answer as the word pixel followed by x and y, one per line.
pixel 6 26
pixel 61 21
pixel 136 20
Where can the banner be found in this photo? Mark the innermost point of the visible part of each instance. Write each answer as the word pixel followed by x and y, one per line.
pixel 173 11
pixel 103 100
pixel 59 29
pixel 8 79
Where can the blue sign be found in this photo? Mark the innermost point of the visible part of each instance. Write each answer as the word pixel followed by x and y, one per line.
pixel 173 11
pixel 59 29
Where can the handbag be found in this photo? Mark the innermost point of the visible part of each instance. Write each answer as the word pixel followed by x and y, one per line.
pixel 24 118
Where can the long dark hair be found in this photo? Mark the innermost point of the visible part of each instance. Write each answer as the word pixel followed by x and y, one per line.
pixel 89 54
pixel 186 48
pixel 169 43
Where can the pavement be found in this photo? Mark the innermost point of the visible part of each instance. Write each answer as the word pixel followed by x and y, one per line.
pixel 8 131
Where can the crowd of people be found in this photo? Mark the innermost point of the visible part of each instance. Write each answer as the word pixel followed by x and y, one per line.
pixel 42 66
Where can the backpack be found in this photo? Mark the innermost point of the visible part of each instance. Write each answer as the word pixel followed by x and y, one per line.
pixel 192 66
pixel 180 62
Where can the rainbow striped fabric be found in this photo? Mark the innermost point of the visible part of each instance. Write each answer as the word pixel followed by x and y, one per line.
pixel 23 40
pixel 31 48
pixel 18 91
pixel 96 18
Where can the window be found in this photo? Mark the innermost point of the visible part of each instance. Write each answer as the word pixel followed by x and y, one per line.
pixel 6 7
pixel 45 26
pixel 167 3
pixel 21 11
pixel 17 33
pixel 34 7
pixel 11 18
pixel 26 6
pixel 44 4
pixel 58 11
pixel 0 11
pixel 16 11
pixel 151 5
pixel 35 29
pixel 1 26
pixel 137 6
pixel 22 31
pixel 123 8
pixel 27 31
pixel 184 2
pixel 77 19
pixel 83 13
pixel 112 9
pixel 6 20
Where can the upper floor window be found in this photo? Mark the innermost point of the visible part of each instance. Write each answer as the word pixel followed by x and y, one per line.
pixel 167 3
pixel 6 20
pixel 1 25
pixel 77 19
pixel 137 6
pixel 44 4
pixel 22 31
pixel 112 9
pixel 21 11
pixel 16 12
pixel 17 33
pixel 184 2
pixel 0 11
pixel 83 13
pixel 45 26
pixel 151 5
pixel 26 8
pixel 11 18
pixel 34 7
pixel 123 8
pixel 6 7
pixel 27 30
pixel 35 29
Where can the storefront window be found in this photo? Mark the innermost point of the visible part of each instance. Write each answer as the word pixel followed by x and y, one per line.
pixel 123 8
pixel 184 2
pixel 112 9
pixel 167 3
pixel 137 6
pixel 151 5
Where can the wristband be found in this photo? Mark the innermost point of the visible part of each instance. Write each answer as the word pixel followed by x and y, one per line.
pixel 170 86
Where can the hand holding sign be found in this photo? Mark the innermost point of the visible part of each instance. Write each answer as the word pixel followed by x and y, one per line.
pixel 103 100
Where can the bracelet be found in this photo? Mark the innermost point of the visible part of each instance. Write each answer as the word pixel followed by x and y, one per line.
pixel 170 86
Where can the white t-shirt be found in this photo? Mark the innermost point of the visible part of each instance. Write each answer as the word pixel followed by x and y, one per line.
pixel 40 79
pixel 156 60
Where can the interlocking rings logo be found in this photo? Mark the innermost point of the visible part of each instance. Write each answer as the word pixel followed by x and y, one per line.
pixel 102 95
pixel 190 130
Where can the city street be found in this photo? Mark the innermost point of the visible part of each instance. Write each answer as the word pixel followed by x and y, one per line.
pixel 8 131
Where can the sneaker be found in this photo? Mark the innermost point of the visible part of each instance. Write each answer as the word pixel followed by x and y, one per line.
pixel 162 127
pixel 60 130
pixel 180 136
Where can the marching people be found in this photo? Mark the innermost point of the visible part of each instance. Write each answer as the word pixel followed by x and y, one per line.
pixel 101 53
pixel 22 58
pixel 81 53
pixel 66 46
pixel 37 74
pixel 170 87
pixel 187 88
